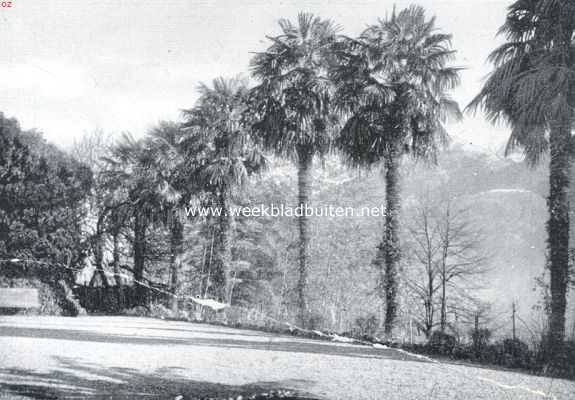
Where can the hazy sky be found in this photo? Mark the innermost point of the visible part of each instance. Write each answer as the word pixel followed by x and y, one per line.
pixel 70 66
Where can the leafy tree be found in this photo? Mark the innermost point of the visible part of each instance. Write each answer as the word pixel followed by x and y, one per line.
pixel 217 139
pixel 293 113
pixel 531 88
pixel 90 149
pixel 392 84
pixel 42 193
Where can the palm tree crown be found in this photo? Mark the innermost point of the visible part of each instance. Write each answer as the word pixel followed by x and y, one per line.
pixel 392 83
pixel 217 136
pixel 533 83
pixel 292 101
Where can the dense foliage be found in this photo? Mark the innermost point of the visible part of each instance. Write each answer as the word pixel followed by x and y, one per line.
pixel 43 192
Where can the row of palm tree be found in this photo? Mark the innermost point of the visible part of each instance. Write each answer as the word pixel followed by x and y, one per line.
pixel 375 99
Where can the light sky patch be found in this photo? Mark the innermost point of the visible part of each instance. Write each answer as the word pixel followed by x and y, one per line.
pixel 68 67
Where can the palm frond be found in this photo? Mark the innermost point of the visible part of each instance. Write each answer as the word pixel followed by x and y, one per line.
pixel 392 85
pixel 293 101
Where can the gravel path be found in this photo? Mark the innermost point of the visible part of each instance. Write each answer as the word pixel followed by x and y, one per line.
pixel 132 358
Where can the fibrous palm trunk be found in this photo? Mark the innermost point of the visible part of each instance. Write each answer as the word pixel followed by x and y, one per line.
pixel 558 230
pixel 221 275
pixel 176 244
pixel 116 266
pixel 99 251
pixel 139 258
pixel 389 253
pixel 305 158
pixel 116 258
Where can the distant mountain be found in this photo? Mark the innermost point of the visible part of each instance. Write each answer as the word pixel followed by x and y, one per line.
pixel 513 221
pixel 507 201
pixel 504 197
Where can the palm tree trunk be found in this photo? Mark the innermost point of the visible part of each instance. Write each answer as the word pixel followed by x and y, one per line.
pixel 176 243
pixel 223 255
pixel 305 158
pixel 389 253
pixel 116 258
pixel 99 251
pixel 139 258
pixel 116 266
pixel 558 230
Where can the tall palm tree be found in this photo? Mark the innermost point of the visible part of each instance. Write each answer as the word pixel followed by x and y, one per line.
pixel 292 106
pixel 218 140
pixel 532 88
pixel 392 85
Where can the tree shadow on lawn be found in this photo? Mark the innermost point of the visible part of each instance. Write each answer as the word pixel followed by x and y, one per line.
pixel 216 330
pixel 194 327
pixel 74 380
pixel 176 326
pixel 280 343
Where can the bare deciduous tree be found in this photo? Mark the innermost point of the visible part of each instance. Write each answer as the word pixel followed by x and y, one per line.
pixel 444 249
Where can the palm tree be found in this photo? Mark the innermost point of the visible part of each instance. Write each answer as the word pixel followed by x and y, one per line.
pixel 218 141
pixel 175 182
pixel 144 183
pixel 131 189
pixel 532 88
pixel 392 84
pixel 292 106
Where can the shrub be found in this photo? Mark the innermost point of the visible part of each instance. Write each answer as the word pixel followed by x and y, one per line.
pixel 241 316
pixel 563 366
pixel 183 315
pixel 110 302
pixel 480 339
pixel 463 352
pixel 492 354
pixel 516 354
pixel 366 327
pixel 442 343
pixel 158 310
pixel 138 311
pixel 315 321
pixel 566 364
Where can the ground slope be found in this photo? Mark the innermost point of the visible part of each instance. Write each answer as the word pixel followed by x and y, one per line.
pixel 99 357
